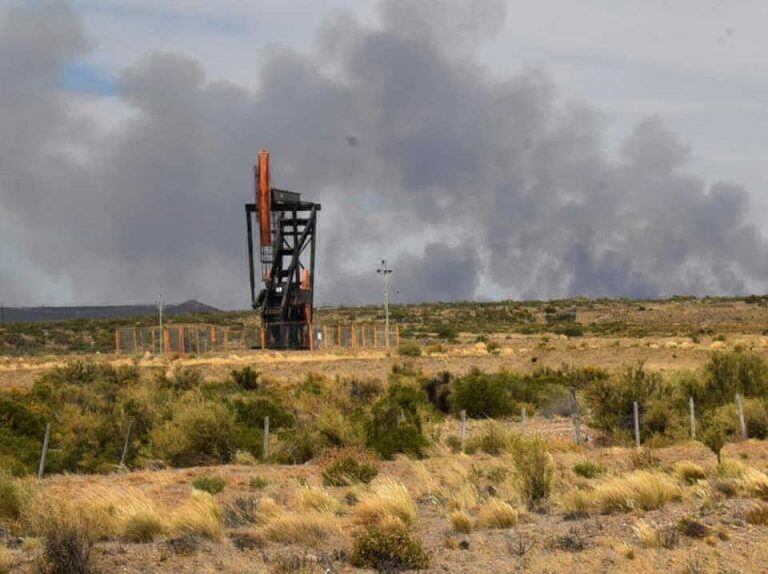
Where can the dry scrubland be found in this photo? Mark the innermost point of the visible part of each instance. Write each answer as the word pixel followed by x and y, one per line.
pixel 364 469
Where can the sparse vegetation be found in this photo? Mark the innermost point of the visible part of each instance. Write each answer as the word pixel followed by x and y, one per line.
pixel 209 483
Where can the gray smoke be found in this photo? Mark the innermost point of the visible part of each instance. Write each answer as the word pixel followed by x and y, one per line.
pixel 468 183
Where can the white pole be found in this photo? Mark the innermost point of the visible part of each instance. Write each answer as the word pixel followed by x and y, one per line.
pixel 637 423
pixel 266 439
pixel 386 271
pixel 463 430
pixel 44 453
pixel 576 418
pixel 160 312
pixel 742 423
pixel 693 418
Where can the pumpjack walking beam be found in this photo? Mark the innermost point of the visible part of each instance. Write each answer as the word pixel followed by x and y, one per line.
pixel 287 227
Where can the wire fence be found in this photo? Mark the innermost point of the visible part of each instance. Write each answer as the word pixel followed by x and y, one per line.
pixel 198 338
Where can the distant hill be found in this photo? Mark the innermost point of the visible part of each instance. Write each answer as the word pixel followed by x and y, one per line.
pixel 40 314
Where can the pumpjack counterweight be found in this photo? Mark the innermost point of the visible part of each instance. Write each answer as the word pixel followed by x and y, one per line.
pixel 287 232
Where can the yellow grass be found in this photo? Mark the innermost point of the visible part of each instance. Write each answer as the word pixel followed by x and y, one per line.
pixel 643 489
pixel 646 534
pixel 497 514
pixel 6 560
pixel 755 483
pixel 758 514
pixel 389 498
pixel 461 521
pixel 199 516
pixel 306 528
pixel 689 472
pixel 314 498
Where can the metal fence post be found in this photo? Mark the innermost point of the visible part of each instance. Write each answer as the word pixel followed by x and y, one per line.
pixel 742 422
pixel 637 423
pixel 44 453
pixel 693 418
pixel 266 439
pixel 463 430
pixel 522 420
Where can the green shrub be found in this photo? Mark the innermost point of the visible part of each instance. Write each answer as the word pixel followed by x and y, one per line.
pixel 755 417
pixel 611 400
pixel 209 483
pixel 728 373
pixel 588 469
pixel 388 547
pixel 493 439
pixel 251 410
pixel 344 467
pixel 246 378
pixel 448 333
pixel 716 434
pixel 483 395
pixel 395 423
pixel 258 482
pixel 199 433
pixel 409 349
pixel 12 498
pixel 534 467
pixel 439 390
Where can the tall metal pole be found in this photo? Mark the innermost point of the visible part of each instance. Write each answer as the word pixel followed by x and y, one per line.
pixel 386 271
pixel 160 313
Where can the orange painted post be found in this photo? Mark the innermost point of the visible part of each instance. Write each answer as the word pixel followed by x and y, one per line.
pixel 166 340
pixel 352 335
pixel 262 337
pixel 117 341
pixel 326 343
pixel 182 341
pixel 135 340
pixel 197 341
pixel 397 335
pixel 226 338
pixel 153 340
pixel 212 334
pixel 311 338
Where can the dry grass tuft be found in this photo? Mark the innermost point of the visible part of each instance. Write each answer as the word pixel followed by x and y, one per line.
pixel 689 472
pixel 199 516
pixel 389 498
pixel 461 521
pixel 644 490
pixel 314 498
pixel 306 528
pixel 6 560
pixel 653 537
pixel 755 483
pixel 498 514
pixel 758 514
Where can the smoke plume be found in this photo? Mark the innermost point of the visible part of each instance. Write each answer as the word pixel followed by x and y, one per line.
pixel 469 183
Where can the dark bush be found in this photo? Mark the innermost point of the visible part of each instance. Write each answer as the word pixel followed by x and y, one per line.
pixel 251 410
pixel 209 483
pixel 347 466
pixel 246 378
pixel 409 349
pixel 483 395
pixel 389 547
pixel 438 390
pixel 395 423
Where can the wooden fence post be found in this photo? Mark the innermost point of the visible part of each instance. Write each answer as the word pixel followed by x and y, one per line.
pixel 166 340
pixel 522 420
pixel 693 418
pixel 742 422
pixel 226 338
pixel 265 450
pixel 463 430
pixel 576 418
pixel 397 335
pixel 125 445
pixel 135 340
pixel 636 415
pixel 44 453
pixel 117 341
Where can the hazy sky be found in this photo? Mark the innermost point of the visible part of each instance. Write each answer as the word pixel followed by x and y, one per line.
pixel 506 149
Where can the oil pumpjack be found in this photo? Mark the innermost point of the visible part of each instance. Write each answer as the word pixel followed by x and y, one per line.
pixel 287 231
